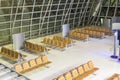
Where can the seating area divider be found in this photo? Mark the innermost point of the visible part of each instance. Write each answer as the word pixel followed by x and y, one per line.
pixel 34 47
pixel 78 73
pixel 10 54
pixel 32 64
pixel 114 77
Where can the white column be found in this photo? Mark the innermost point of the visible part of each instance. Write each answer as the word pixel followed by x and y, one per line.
pixel 65 30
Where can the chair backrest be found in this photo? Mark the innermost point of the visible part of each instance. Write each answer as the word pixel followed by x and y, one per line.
pixel 68 76
pixel 86 67
pixel 18 68
pixel 48 41
pixel 74 73
pixel 54 37
pixel 6 51
pixel 43 48
pixel 119 76
pixel 2 49
pixel 25 65
pixel 54 42
pixel 32 63
pixel 30 45
pixel 38 60
pixel 44 59
pixel 35 47
pixel 116 78
pixel 91 65
pixel 9 52
pixel 12 53
pixel 80 70
pixel 61 78
pixel 16 55
pixel 44 40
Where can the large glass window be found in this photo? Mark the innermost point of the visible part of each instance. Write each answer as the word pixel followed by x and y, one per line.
pixel 40 17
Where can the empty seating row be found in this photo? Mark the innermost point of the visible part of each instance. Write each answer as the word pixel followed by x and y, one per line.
pixel 60 38
pixel 8 74
pixel 100 29
pixel 31 64
pixel 34 47
pixel 54 43
pixel 78 73
pixel 10 54
pixel 90 33
pixel 114 77
pixel 78 35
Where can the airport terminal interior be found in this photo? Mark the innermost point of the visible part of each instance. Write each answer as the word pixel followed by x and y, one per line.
pixel 59 40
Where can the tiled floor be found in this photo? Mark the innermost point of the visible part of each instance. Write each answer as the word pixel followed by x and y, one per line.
pixel 97 50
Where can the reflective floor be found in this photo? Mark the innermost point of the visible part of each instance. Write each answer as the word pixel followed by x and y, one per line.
pixel 97 50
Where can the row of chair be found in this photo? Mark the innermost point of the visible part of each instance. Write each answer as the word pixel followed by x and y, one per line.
pixel 60 38
pixel 100 29
pixel 78 35
pixel 78 73
pixel 114 77
pixel 31 64
pixel 10 54
pixel 54 43
pixel 90 33
pixel 34 47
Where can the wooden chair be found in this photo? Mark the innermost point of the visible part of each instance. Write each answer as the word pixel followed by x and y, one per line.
pixel 75 73
pixel 9 53
pixel 81 70
pixel 91 67
pixel 37 47
pixel 39 62
pixel 30 46
pixel 61 78
pixel 32 63
pixel 26 67
pixel 3 50
pixel 68 76
pixel 119 76
pixel 94 34
pixel 90 33
pixel 48 41
pixel 44 40
pixel 42 49
pixel 79 36
pixel 69 41
pixel 19 68
pixel 16 54
pixel 115 78
pixel 71 34
pixel 87 31
pixel 12 56
pixel 45 60
pixel 55 43
pixel 86 67
pixel 59 44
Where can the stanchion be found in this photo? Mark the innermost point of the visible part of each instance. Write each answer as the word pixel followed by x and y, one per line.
pixel 114 56
pixel 119 54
